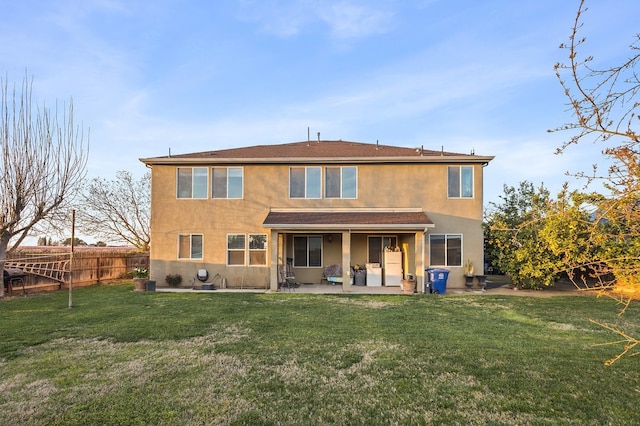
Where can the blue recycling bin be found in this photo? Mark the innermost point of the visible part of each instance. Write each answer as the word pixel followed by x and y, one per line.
pixel 437 280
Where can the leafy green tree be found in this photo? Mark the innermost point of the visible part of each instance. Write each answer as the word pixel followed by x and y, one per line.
pixel 571 233
pixel 513 236
pixel 76 242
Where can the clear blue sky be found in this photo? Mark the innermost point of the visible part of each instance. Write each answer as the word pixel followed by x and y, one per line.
pixel 149 76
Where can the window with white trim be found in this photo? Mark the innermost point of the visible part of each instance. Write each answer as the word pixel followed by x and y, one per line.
pixel 307 251
pixel 445 249
pixel 257 249
pixel 227 182
pixel 236 247
pixel 460 182
pixel 192 182
pixel 246 247
pixel 305 182
pixel 340 182
pixel 190 246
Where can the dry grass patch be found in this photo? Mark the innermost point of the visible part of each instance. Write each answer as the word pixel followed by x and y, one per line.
pixel 87 371
pixel 123 358
pixel 366 302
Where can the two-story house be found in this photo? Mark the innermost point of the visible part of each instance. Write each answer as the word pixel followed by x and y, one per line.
pixel 241 213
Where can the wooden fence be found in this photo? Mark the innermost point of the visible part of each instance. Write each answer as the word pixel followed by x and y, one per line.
pixel 47 267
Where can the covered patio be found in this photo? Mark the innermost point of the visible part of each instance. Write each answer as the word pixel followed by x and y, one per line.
pixel 306 242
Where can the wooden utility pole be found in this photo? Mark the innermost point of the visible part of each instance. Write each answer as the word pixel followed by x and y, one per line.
pixel 73 237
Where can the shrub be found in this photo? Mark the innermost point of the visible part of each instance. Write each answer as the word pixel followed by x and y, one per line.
pixel 141 273
pixel 173 280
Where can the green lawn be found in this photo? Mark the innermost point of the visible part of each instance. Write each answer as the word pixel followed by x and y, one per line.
pixel 120 357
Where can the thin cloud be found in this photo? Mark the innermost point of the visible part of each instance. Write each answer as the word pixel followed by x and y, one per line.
pixel 202 75
pixel 350 20
pixel 344 19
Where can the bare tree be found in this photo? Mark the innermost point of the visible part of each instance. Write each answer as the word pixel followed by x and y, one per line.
pixel 605 106
pixel 603 101
pixel 117 210
pixel 44 159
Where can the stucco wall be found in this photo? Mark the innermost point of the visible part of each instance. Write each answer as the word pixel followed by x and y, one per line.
pixel 266 186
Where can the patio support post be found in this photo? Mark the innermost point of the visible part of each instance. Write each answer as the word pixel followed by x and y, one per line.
pixel 346 261
pixel 273 255
pixel 418 255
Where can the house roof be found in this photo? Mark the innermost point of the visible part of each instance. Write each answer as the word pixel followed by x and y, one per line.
pixel 349 219
pixel 316 152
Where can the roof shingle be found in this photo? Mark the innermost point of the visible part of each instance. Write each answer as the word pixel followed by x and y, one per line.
pixel 359 219
pixel 315 149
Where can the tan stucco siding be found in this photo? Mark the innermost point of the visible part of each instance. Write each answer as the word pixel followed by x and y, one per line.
pixel 379 185
pixel 266 186
pixel 214 219
pixel 472 244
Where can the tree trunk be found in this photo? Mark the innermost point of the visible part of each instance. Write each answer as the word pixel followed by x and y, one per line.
pixel 3 252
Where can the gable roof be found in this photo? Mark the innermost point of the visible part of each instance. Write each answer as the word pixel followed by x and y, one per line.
pixel 316 152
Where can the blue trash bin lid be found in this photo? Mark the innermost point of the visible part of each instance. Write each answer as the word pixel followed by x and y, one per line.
pixel 439 273
pixel 437 270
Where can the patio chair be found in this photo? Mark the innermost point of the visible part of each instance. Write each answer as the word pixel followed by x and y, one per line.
pixel 333 274
pixel 287 278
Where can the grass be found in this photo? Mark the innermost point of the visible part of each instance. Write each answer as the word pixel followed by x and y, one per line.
pixel 123 358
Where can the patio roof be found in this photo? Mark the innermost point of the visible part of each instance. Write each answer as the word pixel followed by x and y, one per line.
pixel 413 219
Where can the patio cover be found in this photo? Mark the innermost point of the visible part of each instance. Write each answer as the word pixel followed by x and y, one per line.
pixel 412 219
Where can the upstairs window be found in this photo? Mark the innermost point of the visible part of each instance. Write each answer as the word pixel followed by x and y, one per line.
pixel 227 182
pixel 340 182
pixel 192 182
pixel 460 182
pixel 305 182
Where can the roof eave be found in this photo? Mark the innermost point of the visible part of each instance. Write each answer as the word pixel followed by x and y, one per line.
pixel 363 226
pixel 470 159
